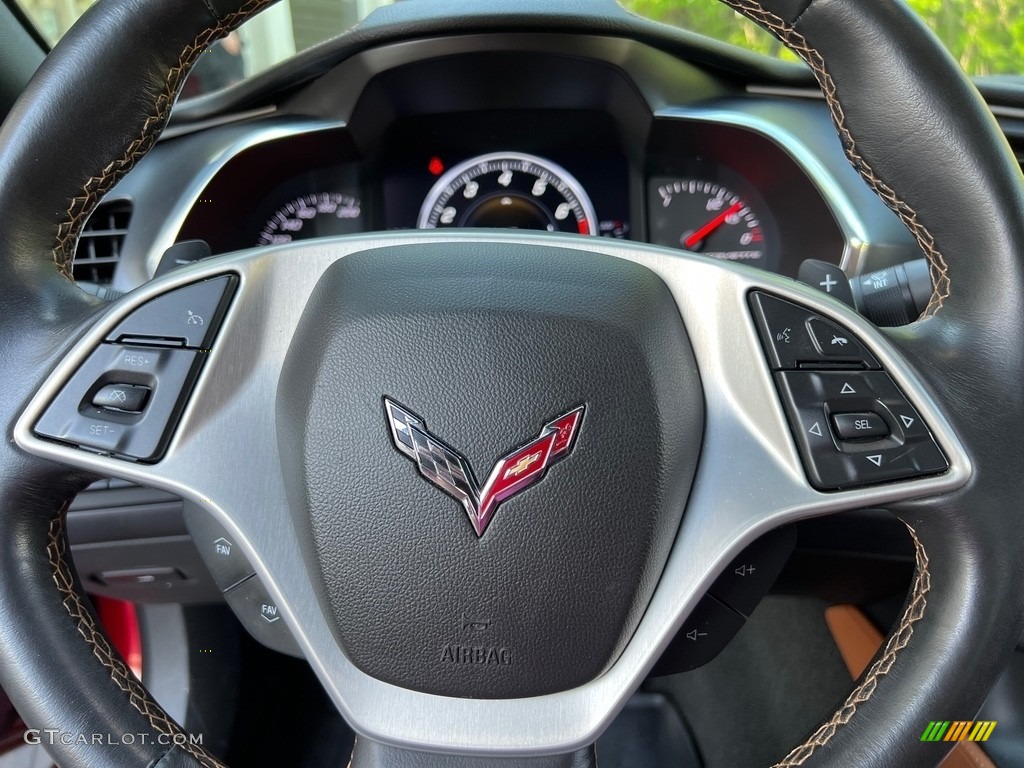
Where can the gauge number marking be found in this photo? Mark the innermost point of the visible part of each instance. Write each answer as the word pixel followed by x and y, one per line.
pixel 512 190
pixel 707 218
pixel 314 215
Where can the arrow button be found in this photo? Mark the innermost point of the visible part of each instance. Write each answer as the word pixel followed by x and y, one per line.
pixel 913 425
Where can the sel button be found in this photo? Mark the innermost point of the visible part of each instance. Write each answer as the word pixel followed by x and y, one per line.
pixel 859 426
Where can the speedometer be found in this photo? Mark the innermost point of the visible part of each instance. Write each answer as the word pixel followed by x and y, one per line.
pixel 315 215
pixel 509 189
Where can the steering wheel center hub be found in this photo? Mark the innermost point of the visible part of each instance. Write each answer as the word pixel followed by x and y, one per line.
pixel 553 395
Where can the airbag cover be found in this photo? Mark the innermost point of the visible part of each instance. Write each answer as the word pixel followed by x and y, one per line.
pixel 487 343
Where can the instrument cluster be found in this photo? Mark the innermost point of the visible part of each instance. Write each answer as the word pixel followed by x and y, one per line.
pixel 720 191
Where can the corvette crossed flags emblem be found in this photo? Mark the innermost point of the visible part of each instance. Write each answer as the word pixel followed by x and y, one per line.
pixel 446 468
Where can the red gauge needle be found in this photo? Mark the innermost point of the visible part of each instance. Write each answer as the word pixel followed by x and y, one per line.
pixel 712 225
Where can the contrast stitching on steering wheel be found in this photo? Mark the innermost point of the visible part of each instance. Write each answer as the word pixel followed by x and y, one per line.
pixel 941 284
pixel 898 640
pixel 82 205
pixel 79 209
pixel 123 678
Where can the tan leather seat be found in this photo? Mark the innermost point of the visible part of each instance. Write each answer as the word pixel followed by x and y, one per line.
pixel 858 640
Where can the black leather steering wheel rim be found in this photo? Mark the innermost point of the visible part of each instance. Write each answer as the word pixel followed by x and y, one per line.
pixel 900 104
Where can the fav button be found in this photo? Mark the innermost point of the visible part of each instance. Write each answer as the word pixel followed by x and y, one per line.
pixel 261 616
pixel 217 547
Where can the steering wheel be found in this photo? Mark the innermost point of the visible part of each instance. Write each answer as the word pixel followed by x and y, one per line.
pixel 331 403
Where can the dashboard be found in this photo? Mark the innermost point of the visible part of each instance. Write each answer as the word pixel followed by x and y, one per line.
pixel 583 135
pixel 710 189
pixel 569 144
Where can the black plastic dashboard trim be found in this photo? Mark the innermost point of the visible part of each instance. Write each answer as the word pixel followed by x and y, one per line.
pixel 409 21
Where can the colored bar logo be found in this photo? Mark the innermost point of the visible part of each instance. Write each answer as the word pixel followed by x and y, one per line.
pixel 958 730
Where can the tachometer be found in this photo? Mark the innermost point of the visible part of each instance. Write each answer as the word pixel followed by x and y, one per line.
pixel 509 189
pixel 317 215
pixel 706 217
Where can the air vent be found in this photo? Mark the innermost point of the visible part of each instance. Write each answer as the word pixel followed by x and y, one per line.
pixel 99 248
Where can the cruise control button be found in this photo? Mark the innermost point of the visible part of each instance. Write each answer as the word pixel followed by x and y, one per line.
pixel 166 373
pixel 859 426
pixel 122 397
pixel 191 313
pixel 261 616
